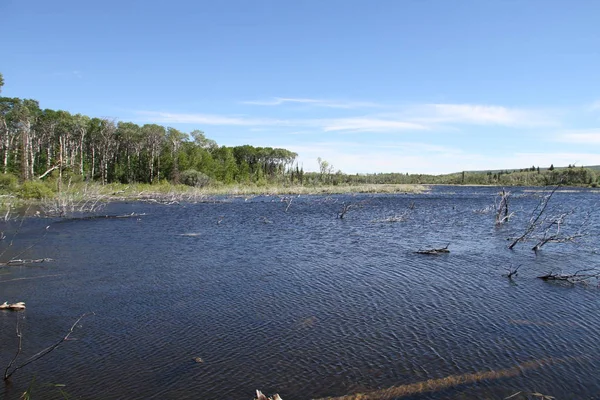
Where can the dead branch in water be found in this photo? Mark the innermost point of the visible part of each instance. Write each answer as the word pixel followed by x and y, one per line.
pixel 510 272
pixel 261 396
pixel 8 372
pixel 536 218
pixel 13 307
pixel 442 250
pixel 581 276
pixel 502 214
pixel 93 217
pixel 553 232
pixel 344 210
pixel 18 262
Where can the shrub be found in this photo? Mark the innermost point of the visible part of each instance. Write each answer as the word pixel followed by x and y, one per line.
pixel 191 177
pixel 8 182
pixel 35 190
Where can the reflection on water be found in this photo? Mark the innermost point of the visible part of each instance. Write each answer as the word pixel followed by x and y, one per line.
pixel 306 305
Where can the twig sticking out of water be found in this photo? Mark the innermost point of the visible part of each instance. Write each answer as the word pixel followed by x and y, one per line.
pixel 511 272
pixel 344 210
pixel 8 372
pixel 535 219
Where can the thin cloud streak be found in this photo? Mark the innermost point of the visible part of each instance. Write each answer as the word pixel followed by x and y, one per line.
pixel 325 125
pixel 437 113
pixel 584 136
pixel 209 119
pixel 278 101
pixel 371 125
pixel 476 114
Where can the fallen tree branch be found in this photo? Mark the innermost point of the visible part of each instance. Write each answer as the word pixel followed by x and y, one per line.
pixel 13 307
pixel 537 213
pixel 442 250
pixel 18 262
pixel 8 372
pixel 92 217
pixel 261 396
pixel 47 172
pixel 580 276
pixel 510 272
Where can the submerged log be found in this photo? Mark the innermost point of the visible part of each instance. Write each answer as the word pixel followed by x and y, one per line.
pixel 13 307
pixel 442 250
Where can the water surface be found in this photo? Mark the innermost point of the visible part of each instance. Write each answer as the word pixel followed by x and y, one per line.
pixel 300 302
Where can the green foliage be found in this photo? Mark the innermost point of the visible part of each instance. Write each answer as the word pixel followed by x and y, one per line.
pixel 35 190
pixel 194 178
pixel 8 183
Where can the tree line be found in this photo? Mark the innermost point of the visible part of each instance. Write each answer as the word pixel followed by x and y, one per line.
pixel 35 142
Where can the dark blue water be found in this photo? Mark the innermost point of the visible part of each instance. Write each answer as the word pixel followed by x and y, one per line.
pixel 300 302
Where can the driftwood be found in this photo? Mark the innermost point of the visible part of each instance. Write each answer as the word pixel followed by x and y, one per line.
pixel 442 250
pixel 92 217
pixel 581 276
pixel 261 396
pixel 13 307
pixel 19 262
pixel 11 368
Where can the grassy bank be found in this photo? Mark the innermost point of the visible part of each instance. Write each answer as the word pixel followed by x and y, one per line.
pixel 48 191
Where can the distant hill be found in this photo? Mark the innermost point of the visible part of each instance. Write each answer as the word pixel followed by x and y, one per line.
pixel 594 167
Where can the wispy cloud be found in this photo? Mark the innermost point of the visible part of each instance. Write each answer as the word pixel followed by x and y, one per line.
pixel 476 114
pixel 584 136
pixel 278 101
pixel 595 106
pixel 209 119
pixel 326 125
pixel 371 125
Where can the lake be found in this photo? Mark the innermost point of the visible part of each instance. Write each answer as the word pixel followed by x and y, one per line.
pixel 305 304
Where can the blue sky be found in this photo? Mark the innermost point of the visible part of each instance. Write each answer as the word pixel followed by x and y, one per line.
pixel 419 86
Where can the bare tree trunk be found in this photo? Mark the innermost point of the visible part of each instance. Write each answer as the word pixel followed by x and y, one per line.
pixel 93 162
pixel 6 150
pixel 60 164
pixel 152 165
pixel 81 152
pixel 48 157
pixel 158 169
pixel 25 153
pixel 32 158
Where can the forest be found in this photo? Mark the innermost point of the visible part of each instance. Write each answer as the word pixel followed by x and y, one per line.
pixel 37 143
